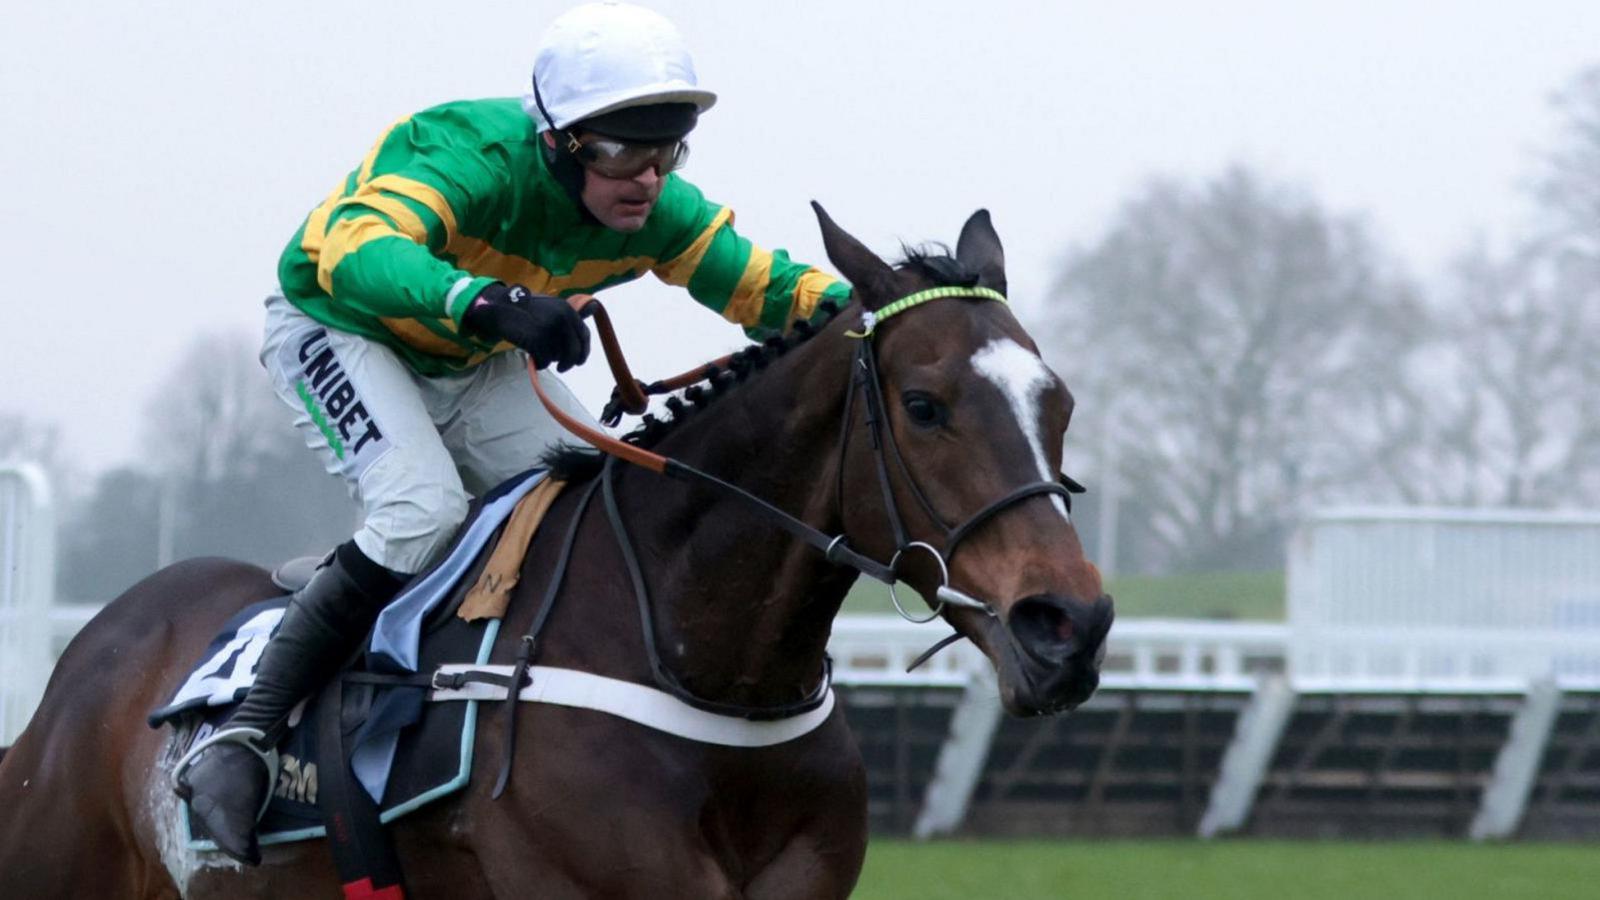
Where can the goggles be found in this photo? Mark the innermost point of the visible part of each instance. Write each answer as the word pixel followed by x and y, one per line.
pixel 622 159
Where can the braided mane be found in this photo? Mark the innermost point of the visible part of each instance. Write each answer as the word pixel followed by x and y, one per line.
pixel 571 462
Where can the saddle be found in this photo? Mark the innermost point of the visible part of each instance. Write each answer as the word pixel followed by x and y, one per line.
pixel 369 740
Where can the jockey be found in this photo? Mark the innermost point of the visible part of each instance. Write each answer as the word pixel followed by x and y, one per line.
pixel 411 296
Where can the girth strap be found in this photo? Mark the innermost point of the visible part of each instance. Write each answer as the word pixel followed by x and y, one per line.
pixel 530 641
pixel 363 851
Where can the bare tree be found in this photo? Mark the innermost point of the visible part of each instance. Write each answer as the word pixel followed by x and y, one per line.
pixel 1249 351
pixel 224 473
pixel 1517 413
pixel 22 438
pixel 26 439
pixel 214 417
pixel 1568 186
pixel 1515 417
pixel 236 479
pixel 108 539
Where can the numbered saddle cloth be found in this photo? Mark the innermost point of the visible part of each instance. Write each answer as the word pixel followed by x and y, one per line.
pixel 407 752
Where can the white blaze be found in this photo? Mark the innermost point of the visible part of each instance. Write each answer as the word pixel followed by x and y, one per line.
pixel 1021 377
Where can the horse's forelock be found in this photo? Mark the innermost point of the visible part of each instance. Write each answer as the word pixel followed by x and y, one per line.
pixel 938 264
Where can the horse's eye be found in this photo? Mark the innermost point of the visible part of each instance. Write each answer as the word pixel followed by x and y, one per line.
pixel 924 410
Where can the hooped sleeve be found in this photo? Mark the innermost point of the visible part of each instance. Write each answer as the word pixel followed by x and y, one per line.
pixel 378 244
pixel 762 290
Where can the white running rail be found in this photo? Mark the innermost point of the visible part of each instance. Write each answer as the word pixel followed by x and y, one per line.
pixel 27 588
pixel 1429 599
pixel 1141 653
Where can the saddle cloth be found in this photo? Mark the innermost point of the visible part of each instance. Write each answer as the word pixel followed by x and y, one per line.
pixel 406 752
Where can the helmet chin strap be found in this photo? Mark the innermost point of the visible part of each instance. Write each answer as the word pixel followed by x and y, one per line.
pixel 569 174
pixel 564 166
pixel 562 136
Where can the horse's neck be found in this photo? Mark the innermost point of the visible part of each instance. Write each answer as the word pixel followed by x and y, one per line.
pixel 743 610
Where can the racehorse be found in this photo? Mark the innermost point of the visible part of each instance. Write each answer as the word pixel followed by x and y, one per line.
pixel 882 426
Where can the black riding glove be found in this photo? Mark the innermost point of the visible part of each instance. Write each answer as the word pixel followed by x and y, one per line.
pixel 544 326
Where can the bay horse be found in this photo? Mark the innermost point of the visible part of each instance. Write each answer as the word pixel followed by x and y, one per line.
pixel 965 412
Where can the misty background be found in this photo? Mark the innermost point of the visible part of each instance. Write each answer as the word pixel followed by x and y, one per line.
pixel 1284 256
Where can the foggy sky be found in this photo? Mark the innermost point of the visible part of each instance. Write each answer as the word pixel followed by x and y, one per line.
pixel 159 155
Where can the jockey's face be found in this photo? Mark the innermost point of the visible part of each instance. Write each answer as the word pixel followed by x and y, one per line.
pixel 622 204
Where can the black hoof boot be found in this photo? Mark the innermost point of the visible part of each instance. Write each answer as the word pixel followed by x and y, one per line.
pixel 226 786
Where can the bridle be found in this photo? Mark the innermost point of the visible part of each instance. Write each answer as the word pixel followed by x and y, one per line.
pixel 632 396
pixel 866 382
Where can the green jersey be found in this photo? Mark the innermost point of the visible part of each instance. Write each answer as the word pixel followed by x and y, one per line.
pixel 457 197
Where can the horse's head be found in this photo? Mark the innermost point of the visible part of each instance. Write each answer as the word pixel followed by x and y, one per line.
pixel 971 448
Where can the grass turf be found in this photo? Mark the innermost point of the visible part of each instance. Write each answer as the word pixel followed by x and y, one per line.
pixel 1228 870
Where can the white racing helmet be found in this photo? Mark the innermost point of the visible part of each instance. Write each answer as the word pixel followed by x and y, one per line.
pixel 602 57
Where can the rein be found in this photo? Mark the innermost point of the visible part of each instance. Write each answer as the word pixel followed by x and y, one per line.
pixel 634 399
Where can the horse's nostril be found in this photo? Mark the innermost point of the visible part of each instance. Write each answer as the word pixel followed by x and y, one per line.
pixel 1043 625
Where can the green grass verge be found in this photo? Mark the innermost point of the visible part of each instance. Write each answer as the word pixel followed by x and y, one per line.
pixel 1228 870
pixel 1211 595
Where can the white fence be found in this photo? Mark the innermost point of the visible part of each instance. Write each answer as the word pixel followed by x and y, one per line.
pixel 27 582
pixel 1141 653
pixel 1407 599
pixel 1426 598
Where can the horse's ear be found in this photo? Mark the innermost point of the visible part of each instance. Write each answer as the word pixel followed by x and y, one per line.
pixel 979 250
pixel 871 279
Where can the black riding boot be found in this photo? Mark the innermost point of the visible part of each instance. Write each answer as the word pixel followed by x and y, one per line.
pixel 226 783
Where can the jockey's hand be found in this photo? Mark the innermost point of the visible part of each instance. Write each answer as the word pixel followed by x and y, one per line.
pixel 543 325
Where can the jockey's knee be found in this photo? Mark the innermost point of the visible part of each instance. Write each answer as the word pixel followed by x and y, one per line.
pixel 408 530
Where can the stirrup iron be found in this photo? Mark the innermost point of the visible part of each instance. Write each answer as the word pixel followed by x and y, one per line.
pixel 238 735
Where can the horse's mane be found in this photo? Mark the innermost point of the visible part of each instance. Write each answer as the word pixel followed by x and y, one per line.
pixel 570 462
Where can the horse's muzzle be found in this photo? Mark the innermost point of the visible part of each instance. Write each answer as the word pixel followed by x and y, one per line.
pixel 1059 645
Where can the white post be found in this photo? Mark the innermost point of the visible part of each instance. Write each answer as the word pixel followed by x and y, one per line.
pixel 1110 486
pixel 961 759
pixel 1516 769
pixel 1248 757
pixel 27 589
pixel 166 520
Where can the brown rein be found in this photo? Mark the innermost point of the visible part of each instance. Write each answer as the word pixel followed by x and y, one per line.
pixel 633 395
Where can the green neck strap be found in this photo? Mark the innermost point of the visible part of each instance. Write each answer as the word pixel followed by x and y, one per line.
pixel 870 320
